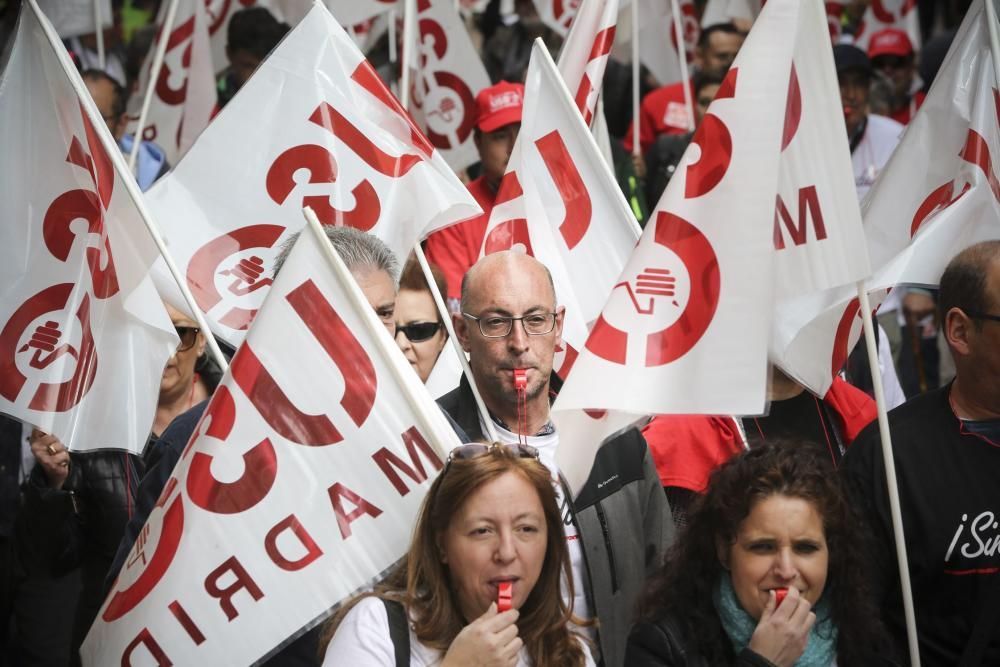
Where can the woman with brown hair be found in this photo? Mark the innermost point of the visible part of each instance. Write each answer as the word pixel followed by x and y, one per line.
pixel 769 571
pixel 489 535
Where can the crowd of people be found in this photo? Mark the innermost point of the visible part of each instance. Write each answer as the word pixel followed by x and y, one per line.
pixel 696 540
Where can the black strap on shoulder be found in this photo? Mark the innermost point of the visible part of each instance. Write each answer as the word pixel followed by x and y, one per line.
pixel 984 629
pixel 399 631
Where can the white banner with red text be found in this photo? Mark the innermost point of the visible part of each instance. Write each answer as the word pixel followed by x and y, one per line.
pixel 314 126
pixel 83 334
pixel 584 55
pixel 300 486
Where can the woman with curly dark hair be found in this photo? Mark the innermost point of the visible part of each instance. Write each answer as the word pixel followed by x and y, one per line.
pixel 489 536
pixel 770 571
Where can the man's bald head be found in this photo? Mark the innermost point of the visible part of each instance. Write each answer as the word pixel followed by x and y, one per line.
pixel 487 269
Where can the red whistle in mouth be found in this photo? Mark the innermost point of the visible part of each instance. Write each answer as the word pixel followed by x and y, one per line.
pixel 504 592
pixel 520 379
pixel 779 596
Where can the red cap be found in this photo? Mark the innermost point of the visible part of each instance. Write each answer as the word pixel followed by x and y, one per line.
pixel 499 105
pixel 889 42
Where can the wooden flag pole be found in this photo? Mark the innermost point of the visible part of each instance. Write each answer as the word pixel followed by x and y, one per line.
pixel 99 34
pixel 154 74
pixel 675 11
pixel 890 474
pixel 636 148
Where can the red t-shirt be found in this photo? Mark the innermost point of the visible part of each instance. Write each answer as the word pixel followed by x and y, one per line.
pixel 456 248
pixel 906 113
pixel 663 111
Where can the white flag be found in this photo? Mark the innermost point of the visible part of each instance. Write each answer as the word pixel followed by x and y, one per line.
pixel 448 75
pixel 299 488
pixel 585 53
pixel 938 194
pixel 882 14
pixel 353 12
pixel 314 126
pixel 71 18
pixel 558 14
pixel 658 38
pixel 727 11
pixel 84 336
pixel 184 95
pixel 559 203
pixel 701 276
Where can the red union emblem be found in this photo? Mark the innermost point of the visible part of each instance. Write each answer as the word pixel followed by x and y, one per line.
pixel 572 189
pixel 449 110
pixel 671 300
pixel 232 261
pixel 183 33
pixel 509 234
pixel 34 334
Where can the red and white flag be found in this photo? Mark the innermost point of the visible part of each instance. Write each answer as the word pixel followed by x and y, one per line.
pixel 84 336
pixel 72 18
pixel 938 194
pixel 881 14
pixel 353 12
pixel 314 126
pixel 559 203
pixel 448 73
pixel 300 486
pixel 727 11
pixel 558 14
pixel 585 53
pixel 184 95
pixel 701 276
pixel 658 54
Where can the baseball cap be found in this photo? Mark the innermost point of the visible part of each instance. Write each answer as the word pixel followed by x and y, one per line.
pixel 848 56
pixel 499 105
pixel 889 42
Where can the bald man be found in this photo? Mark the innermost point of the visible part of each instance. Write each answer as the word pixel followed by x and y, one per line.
pixel 619 525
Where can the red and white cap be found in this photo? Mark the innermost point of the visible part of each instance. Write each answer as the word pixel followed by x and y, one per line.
pixel 890 42
pixel 499 105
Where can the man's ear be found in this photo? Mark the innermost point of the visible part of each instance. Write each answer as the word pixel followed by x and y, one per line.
pixel 957 327
pixel 461 330
pixel 560 319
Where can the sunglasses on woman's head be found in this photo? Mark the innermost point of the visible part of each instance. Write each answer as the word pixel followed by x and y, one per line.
pixel 418 332
pixel 188 336
pixel 472 450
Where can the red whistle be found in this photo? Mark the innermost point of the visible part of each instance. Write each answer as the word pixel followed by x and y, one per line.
pixel 520 379
pixel 504 592
pixel 779 595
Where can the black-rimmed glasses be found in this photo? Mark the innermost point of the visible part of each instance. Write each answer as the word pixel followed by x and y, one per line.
pixel 188 336
pixel 418 332
pixel 499 326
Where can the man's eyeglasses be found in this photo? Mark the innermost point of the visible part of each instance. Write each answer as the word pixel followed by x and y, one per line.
pixel 418 332
pixel 976 315
pixel 498 326
pixel 472 450
pixel 188 336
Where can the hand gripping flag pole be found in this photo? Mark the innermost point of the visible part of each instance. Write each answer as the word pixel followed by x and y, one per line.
pixel 127 179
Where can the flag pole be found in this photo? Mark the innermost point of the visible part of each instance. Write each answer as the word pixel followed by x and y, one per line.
pixel 890 474
pixel 409 44
pixel 675 11
pixel 484 414
pixel 118 160
pixel 433 424
pixel 393 56
pixel 99 34
pixel 154 74
pixel 636 148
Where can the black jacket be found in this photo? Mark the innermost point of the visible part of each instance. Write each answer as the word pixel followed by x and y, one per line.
pixel 662 644
pixel 622 518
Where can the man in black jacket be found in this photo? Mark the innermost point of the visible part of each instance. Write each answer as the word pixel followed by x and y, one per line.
pixel 946 445
pixel 619 524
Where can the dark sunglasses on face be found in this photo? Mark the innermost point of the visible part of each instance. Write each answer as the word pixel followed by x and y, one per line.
pixel 188 336
pixel 417 332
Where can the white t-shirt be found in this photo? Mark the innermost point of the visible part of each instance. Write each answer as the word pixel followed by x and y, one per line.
pixel 872 152
pixel 363 640
pixel 546 446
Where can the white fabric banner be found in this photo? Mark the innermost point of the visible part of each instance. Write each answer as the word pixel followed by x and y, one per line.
pixel 336 140
pixel 300 486
pixel 71 18
pixel 444 85
pixel 938 194
pixel 558 14
pixel 700 275
pixel 84 336
pixel 352 12
pixel 656 20
pixel 585 53
pixel 559 202
pixel 184 96
pixel 727 11
pixel 882 14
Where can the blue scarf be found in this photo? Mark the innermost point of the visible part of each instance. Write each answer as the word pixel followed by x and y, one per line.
pixel 739 626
